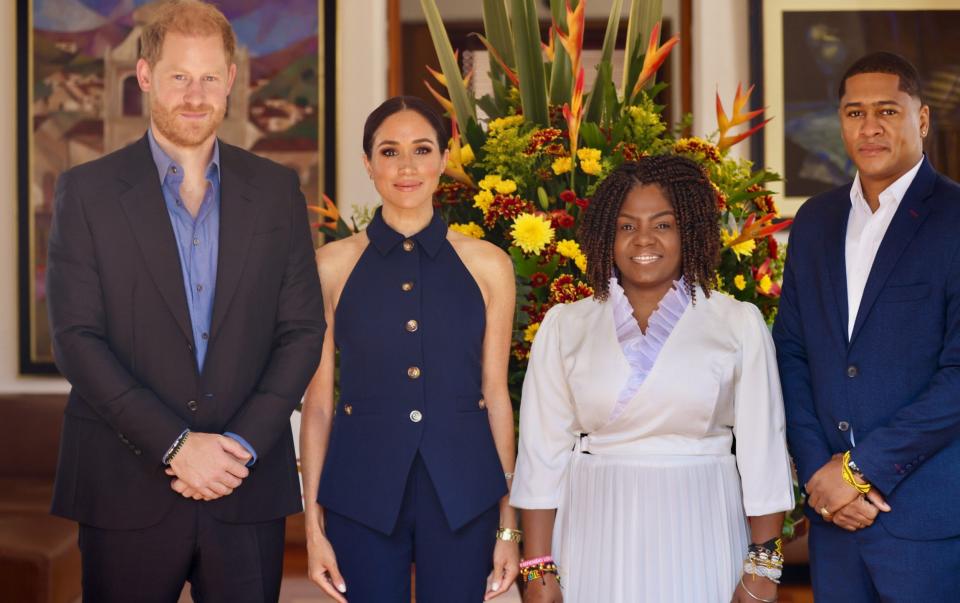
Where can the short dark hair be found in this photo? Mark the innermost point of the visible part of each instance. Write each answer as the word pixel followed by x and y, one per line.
pixel 687 188
pixel 396 105
pixel 885 62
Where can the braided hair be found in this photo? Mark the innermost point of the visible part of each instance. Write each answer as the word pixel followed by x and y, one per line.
pixel 687 188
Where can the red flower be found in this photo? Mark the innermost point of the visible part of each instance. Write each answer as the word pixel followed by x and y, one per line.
pixel 568 196
pixel 538 279
pixel 772 247
pixel 560 218
pixel 582 203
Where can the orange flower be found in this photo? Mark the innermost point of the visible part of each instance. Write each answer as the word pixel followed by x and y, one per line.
pixel 766 286
pixel 756 229
pixel 328 211
pixel 573 40
pixel 454 168
pixel 573 112
pixel 739 117
pixel 654 57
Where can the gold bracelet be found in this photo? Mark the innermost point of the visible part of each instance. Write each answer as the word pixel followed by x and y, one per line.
pixel 850 478
pixel 509 535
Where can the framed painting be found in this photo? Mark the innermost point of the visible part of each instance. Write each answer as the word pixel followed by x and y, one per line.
pixel 78 99
pixel 806 47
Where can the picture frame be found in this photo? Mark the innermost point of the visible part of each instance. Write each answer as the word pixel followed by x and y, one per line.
pixel 814 41
pixel 78 99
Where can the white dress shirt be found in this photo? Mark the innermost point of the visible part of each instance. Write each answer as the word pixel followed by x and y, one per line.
pixel 865 231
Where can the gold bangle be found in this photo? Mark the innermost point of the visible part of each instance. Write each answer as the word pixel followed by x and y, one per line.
pixel 850 478
pixel 509 535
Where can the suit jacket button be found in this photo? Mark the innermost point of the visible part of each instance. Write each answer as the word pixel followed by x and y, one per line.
pixel 137 451
pixel 192 405
pixel 407 286
pixel 482 403
pixel 843 426
pixel 416 416
pixel 412 326
pixel 852 371
pixel 413 372
pixel 348 409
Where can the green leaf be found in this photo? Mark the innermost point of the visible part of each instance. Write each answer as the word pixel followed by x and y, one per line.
pixel 592 136
pixel 475 136
pixel 533 84
pixel 497 27
pixel 525 265
pixel 561 77
pixel 601 88
pixel 595 103
pixel 489 106
pixel 463 104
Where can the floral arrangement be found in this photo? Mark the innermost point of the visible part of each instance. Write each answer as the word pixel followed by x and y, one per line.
pixel 522 176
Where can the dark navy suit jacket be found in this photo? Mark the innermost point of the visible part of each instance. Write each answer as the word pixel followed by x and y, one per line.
pixel 896 383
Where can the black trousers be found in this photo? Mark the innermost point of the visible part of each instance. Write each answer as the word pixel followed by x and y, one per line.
pixel 238 563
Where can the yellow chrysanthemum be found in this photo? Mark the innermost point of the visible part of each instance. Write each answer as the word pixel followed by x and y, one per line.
pixel 471 229
pixel 531 233
pixel 569 248
pixel 765 284
pixel 591 167
pixel 489 181
pixel 739 282
pixel 511 121
pixel 466 155
pixel 562 165
pixel 531 331
pixel 505 187
pixel 743 248
pixel 581 262
pixel 482 201
pixel 588 154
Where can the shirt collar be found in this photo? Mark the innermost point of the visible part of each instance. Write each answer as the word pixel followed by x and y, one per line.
pixel 164 161
pixel 385 238
pixel 892 195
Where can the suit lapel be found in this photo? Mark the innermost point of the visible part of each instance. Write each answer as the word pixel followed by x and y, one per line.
pixel 238 217
pixel 835 249
pixel 149 221
pixel 906 221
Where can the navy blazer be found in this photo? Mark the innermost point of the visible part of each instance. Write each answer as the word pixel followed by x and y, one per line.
pixel 895 385
pixel 122 336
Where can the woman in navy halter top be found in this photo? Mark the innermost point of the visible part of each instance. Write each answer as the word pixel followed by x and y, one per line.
pixel 408 464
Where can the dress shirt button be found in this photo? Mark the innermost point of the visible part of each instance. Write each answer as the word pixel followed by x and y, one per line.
pixel 843 426
pixel 173 169
pixel 348 409
pixel 482 403
pixel 199 288
pixel 408 245
pixel 413 372
pixel 192 405
pixel 416 416
pixel 852 371
pixel 412 326
pixel 407 286
pixel 205 336
pixel 196 242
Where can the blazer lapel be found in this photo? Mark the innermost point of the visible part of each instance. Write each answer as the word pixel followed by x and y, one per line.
pixel 238 217
pixel 149 221
pixel 835 248
pixel 909 216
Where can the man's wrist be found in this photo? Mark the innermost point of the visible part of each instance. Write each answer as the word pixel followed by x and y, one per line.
pixel 175 447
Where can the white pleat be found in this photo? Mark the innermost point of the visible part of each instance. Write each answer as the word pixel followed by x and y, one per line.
pixel 650 529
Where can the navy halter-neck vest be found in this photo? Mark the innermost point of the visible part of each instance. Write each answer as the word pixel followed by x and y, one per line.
pixel 409 328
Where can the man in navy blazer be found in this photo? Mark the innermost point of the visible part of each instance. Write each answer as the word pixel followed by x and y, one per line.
pixel 868 341
pixel 187 316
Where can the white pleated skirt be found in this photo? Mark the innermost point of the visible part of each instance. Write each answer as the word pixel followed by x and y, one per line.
pixel 650 529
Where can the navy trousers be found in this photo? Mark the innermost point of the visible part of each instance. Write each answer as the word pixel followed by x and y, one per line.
pixel 235 563
pixel 451 567
pixel 872 566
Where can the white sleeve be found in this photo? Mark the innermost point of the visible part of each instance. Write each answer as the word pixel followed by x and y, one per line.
pixel 762 457
pixel 547 422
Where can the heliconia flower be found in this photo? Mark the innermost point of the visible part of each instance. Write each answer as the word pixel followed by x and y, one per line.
pixel 573 112
pixel 548 49
pixel 438 75
pixel 654 57
pixel 511 74
pixel 328 211
pixel 573 40
pixel 765 283
pixel 455 163
pixel 739 117
pixel 444 101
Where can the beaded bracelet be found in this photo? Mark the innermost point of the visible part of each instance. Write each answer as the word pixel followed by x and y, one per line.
pixel 765 560
pixel 539 572
pixel 535 561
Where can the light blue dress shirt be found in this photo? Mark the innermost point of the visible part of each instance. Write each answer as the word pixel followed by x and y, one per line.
pixel 198 240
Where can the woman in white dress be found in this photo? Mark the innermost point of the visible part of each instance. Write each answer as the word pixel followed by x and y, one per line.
pixel 630 407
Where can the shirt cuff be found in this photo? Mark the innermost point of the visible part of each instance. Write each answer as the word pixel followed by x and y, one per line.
pixel 245 444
